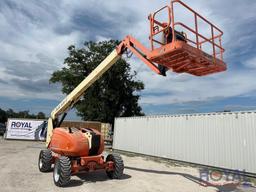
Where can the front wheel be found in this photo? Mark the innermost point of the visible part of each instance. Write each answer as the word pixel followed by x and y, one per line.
pixel 118 166
pixel 62 171
pixel 45 160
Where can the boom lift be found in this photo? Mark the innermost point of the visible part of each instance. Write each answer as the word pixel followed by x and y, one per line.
pixel 73 150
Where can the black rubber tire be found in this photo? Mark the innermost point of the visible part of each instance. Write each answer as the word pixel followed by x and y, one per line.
pixel 118 166
pixel 45 160
pixel 62 171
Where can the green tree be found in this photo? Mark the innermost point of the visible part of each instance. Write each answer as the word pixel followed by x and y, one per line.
pixel 11 114
pixel 3 116
pixel 115 94
pixel 40 115
pixel 23 114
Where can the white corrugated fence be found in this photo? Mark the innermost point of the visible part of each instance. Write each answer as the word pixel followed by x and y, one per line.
pixel 224 140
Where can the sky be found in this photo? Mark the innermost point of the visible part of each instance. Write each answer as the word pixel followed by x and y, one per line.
pixel 34 36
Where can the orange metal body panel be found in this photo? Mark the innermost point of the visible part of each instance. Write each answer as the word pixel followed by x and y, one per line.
pixel 73 144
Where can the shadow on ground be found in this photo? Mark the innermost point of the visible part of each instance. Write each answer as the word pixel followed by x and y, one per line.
pixel 228 187
pixel 92 177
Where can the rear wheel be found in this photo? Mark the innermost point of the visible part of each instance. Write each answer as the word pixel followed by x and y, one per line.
pixel 118 166
pixel 45 160
pixel 62 171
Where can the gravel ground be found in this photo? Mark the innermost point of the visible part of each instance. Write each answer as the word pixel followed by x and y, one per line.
pixel 19 172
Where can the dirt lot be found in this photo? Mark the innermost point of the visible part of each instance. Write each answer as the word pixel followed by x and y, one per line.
pixel 19 172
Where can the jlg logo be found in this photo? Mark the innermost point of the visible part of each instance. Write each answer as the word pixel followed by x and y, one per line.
pixel 21 125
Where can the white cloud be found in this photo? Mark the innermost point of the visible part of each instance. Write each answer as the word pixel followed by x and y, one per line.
pixel 227 84
pixel 251 63
pixel 31 49
pixel 101 38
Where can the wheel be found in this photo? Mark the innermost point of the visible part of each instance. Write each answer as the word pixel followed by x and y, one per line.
pixel 118 166
pixel 62 171
pixel 45 160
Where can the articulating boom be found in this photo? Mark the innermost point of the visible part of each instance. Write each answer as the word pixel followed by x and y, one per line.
pixel 177 52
